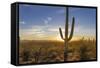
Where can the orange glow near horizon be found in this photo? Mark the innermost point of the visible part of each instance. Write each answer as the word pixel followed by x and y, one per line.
pixel 57 38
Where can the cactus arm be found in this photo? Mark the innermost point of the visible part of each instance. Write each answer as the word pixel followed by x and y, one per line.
pixel 72 29
pixel 60 30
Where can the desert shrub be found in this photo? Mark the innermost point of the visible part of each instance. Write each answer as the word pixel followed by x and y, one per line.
pixel 87 49
pixel 26 55
pixel 53 56
pixel 83 51
pixel 36 55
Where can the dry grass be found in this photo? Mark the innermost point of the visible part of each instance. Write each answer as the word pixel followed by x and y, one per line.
pixel 36 51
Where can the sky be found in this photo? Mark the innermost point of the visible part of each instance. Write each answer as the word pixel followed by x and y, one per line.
pixel 42 22
pixel 85 21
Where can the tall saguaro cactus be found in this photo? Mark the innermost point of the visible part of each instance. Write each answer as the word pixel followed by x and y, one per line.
pixel 67 38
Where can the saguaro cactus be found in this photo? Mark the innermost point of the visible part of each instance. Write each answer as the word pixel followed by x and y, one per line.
pixel 67 38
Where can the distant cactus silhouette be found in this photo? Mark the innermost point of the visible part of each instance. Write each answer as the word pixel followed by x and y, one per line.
pixel 67 39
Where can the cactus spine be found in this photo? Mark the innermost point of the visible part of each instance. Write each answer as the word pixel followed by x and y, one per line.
pixel 67 38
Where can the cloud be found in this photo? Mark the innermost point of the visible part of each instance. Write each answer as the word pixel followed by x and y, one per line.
pixel 83 31
pixel 40 32
pixel 22 22
pixel 47 20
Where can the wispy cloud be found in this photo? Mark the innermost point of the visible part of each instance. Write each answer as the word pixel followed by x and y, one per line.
pixel 40 32
pixel 45 32
pixel 80 30
pixel 47 20
pixel 22 22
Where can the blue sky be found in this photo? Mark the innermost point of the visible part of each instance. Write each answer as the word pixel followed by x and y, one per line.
pixel 35 15
pixel 85 24
pixel 43 22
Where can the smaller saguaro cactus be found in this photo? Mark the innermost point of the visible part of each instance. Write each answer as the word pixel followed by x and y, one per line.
pixel 67 38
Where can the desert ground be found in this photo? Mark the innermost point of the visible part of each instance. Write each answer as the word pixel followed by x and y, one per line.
pixel 41 51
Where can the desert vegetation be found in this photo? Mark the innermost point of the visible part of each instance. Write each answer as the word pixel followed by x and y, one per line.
pixel 41 51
